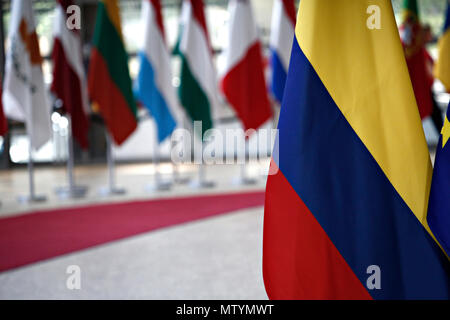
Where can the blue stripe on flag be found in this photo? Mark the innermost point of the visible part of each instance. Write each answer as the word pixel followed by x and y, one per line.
pixel 447 19
pixel 279 75
pixel 439 205
pixel 148 93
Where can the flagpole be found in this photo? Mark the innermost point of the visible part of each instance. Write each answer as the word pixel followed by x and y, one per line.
pixel 243 179
pixel 202 182
pixel 30 167
pixel 198 143
pixel 111 189
pixel 32 196
pixel 177 178
pixel 159 184
pixel 70 159
pixel 72 190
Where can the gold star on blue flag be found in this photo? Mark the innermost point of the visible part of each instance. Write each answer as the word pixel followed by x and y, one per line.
pixel 439 203
pixel 445 131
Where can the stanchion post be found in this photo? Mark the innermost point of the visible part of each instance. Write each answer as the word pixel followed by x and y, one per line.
pixel 111 189
pixel 110 162
pixel 72 190
pixel 32 196
pixel 202 182
pixel 177 178
pixel 159 184
pixel 243 179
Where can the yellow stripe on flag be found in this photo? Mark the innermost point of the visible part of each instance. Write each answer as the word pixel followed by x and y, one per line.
pixel 365 72
pixel 114 14
pixel 442 67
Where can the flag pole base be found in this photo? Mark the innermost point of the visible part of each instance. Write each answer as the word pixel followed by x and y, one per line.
pixel 160 186
pixel 31 199
pixel 244 181
pixel 204 184
pixel 74 192
pixel 111 191
pixel 243 178
pixel 182 180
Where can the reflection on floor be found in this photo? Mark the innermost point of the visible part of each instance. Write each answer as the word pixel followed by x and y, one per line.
pixel 135 178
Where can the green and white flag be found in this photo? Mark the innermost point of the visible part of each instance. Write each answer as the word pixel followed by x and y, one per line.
pixel 198 83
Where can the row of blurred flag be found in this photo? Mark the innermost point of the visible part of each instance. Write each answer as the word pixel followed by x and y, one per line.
pixel 109 86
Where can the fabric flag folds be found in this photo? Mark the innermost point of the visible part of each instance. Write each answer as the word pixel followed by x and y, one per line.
pixel 109 80
pixel 439 204
pixel 243 82
pixel 153 86
pixel 24 95
pixel 415 52
pixel 69 81
pixel 442 67
pixel 346 205
pixel 198 84
pixel 282 33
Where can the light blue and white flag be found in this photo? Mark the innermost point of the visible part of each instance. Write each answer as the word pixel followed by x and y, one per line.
pixel 153 86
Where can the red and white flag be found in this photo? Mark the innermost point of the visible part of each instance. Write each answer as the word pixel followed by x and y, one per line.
pixel 69 80
pixel 243 82
pixel 24 93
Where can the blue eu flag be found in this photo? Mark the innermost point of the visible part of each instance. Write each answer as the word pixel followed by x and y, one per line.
pixel 439 204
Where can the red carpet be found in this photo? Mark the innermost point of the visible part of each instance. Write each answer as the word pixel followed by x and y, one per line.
pixel 46 234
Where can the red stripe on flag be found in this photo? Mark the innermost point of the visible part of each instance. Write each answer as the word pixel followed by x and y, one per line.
pixel 421 82
pixel 159 20
pixel 299 259
pixel 65 4
pixel 67 86
pixel 113 107
pixel 245 88
pixel 199 15
pixel 289 8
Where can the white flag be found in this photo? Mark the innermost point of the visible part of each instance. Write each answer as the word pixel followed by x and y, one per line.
pixel 24 94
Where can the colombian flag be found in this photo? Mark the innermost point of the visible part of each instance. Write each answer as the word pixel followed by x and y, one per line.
pixel 109 78
pixel 351 166
pixel 439 205
pixel 442 67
